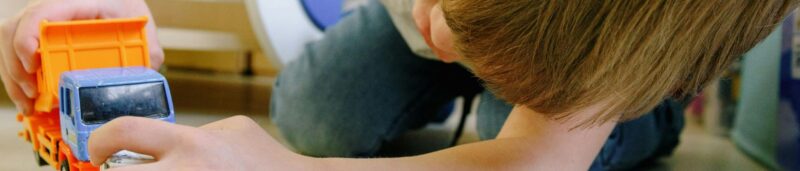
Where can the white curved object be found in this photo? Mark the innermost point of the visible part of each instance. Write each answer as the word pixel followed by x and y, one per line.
pixel 282 28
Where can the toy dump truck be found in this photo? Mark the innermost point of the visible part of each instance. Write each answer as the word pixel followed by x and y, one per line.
pixel 92 71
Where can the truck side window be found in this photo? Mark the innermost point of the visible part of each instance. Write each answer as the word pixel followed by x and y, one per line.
pixel 66 100
pixel 61 102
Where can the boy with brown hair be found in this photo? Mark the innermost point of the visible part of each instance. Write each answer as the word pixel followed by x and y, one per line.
pixel 572 73
pixel 631 54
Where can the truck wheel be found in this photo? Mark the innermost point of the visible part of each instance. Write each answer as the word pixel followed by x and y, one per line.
pixel 65 165
pixel 39 160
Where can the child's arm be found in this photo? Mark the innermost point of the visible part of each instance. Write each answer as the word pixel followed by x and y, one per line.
pixel 528 141
pixel 19 39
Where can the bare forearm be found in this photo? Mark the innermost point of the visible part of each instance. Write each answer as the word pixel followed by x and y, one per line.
pixel 528 141
pixel 502 154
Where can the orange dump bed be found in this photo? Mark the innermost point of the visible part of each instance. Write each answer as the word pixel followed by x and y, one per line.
pixel 87 44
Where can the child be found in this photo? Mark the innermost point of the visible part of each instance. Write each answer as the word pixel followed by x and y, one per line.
pixel 571 71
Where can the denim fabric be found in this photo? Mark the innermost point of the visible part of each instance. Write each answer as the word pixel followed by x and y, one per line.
pixel 361 86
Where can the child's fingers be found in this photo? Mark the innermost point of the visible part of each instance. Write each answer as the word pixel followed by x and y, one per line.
pixel 234 123
pixel 139 167
pixel 137 134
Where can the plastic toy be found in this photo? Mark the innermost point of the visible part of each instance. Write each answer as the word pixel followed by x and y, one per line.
pixel 92 71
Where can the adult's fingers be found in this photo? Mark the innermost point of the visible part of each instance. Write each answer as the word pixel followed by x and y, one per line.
pixel 156 52
pixel 23 103
pixel 27 30
pixel 27 36
pixel 136 8
pixel 137 134
pixel 11 63
pixel 18 76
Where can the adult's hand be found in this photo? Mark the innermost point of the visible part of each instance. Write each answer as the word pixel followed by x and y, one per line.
pixel 19 39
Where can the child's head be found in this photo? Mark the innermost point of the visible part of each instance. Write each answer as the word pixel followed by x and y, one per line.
pixel 557 57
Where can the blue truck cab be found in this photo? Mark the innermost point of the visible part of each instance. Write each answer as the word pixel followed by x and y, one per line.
pixel 90 98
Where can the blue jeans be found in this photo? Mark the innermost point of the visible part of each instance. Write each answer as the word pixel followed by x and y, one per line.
pixel 361 86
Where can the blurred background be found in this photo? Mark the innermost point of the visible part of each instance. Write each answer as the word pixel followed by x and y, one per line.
pixel 222 57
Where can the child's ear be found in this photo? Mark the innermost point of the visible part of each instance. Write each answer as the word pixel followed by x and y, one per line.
pixel 442 36
pixel 429 17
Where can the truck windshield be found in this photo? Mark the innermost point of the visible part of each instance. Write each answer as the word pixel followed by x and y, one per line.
pixel 102 104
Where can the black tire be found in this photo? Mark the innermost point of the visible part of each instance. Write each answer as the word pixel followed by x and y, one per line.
pixel 65 165
pixel 39 160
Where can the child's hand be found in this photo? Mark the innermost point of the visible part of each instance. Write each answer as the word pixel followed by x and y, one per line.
pixel 235 143
pixel 19 39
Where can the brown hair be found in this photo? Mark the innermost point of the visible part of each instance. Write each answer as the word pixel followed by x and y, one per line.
pixel 560 56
